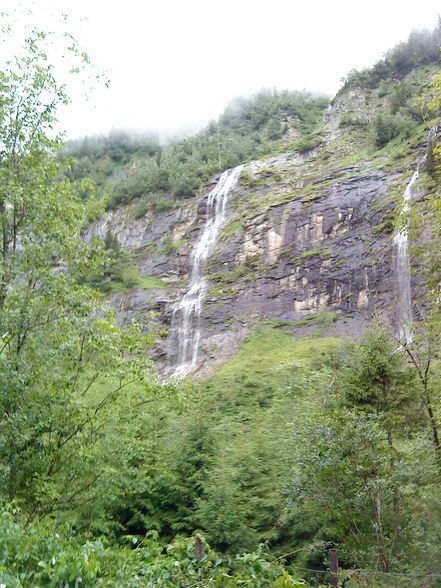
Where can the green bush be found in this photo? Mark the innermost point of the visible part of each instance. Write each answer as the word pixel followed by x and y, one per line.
pixel 433 159
pixel 305 144
pixel 387 126
pixel 155 202
pixel 170 245
pixel 141 208
pixel 45 556
pixel 163 204
pixel 384 130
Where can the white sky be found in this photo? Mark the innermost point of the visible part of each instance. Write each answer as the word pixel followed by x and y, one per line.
pixel 174 64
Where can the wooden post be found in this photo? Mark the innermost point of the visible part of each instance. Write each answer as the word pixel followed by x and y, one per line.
pixel 199 549
pixel 333 567
pixel 335 375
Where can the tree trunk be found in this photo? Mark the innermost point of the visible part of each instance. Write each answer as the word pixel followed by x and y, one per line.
pixel 433 425
pixel 379 531
pixel 333 567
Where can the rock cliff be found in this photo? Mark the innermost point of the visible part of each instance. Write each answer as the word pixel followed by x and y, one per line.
pixel 307 241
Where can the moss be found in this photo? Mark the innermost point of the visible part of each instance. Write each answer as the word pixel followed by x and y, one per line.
pixel 271 173
pixel 322 318
pixel 230 229
pixel 268 268
pixel 215 305
pixel 321 252
pixel 170 245
pixel 221 291
pixel 299 258
pixel 251 182
pixel 244 178
pixel 252 261
pixel 385 227
pixel 226 283
pixel 151 282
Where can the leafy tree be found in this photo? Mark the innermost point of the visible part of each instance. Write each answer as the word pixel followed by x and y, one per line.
pixel 388 126
pixel 379 382
pixel 354 485
pixel 116 270
pixel 188 458
pixel 383 130
pixel 62 359
pixel 377 378
pixel 274 129
pixel 222 509
pixel 345 487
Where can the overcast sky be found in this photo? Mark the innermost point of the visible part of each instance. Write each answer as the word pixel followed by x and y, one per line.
pixel 175 64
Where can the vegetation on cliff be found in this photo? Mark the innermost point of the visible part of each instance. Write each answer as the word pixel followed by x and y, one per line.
pixel 421 49
pixel 134 167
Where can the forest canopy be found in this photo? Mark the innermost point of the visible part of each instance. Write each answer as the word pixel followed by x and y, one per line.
pixel 128 166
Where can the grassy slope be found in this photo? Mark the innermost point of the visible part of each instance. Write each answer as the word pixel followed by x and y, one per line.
pixel 266 363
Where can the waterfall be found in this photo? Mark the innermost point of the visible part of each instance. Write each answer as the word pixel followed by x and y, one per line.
pixel 185 330
pixel 403 300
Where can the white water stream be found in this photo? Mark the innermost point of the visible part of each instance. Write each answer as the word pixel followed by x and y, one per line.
pixel 403 301
pixel 185 332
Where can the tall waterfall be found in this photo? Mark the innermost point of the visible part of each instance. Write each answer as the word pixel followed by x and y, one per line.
pixel 403 300
pixel 185 331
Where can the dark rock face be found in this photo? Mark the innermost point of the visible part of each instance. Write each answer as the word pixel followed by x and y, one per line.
pixel 312 257
pixel 304 235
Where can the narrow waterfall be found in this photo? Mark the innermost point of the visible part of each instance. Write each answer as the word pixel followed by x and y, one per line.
pixel 403 300
pixel 185 327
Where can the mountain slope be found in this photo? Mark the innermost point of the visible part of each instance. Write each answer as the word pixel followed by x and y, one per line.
pixel 307 230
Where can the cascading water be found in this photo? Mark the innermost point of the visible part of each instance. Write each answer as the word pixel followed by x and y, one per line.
pixel 185 328
pixel 403 300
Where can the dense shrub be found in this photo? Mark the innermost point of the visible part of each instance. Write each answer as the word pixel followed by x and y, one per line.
pixel 44 556
pixel 387 126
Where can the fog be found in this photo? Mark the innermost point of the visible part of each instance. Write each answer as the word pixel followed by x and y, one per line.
pixel 174 65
